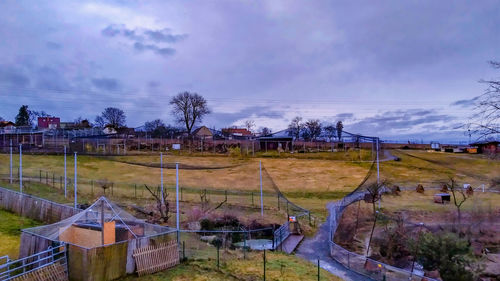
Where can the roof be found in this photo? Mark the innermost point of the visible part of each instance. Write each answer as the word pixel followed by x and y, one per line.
pixel 6 123
pixel 203 131
pixel 101 211
pixel 237 131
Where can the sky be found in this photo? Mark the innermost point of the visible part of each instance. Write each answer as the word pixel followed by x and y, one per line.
pixel 395 69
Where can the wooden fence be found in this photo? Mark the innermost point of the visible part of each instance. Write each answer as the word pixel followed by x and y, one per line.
pixel 152 259
pixel 33 207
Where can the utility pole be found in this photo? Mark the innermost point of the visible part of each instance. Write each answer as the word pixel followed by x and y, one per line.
pixel 75 180
pixel 65 180
pixel 161 179
pixel 21 168
pixel 177 198
pixel 10 162
pixel 261 198
pixel 378 174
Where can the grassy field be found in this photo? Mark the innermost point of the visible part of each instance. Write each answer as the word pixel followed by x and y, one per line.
pixel 10 232
pixel 278 267
pixel 431 168
pixel 290 175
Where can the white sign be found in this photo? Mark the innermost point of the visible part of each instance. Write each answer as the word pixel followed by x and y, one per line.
pixel 176 146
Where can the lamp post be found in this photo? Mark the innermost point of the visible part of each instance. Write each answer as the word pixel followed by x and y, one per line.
pixel 416 249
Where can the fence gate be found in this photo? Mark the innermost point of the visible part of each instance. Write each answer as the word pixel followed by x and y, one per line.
pixel 152 259
pixel 48 265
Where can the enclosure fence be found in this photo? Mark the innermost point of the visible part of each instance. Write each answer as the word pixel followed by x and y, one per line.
pixel 52 257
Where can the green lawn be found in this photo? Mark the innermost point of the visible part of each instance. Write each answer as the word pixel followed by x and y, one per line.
pixel 10 232
pixel 278 267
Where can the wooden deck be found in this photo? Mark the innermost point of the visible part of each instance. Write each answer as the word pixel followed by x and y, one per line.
pixel 291 243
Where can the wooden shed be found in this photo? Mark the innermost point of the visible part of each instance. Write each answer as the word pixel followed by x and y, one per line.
pixel 101 241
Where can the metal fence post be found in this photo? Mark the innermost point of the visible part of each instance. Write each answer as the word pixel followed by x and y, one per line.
pixel 264 264
pixel 76 183
pixel 261 198
pixel 318 270
pixel 21 167
pixel 10 177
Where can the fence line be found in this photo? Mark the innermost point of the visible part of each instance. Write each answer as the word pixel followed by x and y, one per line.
pixel 359 263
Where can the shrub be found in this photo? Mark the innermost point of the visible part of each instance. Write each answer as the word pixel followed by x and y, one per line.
pixel 447 253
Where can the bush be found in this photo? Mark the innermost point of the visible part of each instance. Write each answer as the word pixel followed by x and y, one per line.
pixel 447 253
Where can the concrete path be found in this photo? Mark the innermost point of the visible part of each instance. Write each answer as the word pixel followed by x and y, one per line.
pixel 291 243
pixel 317 247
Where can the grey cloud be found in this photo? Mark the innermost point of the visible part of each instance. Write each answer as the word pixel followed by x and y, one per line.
pixel 164 35
pixel 400 120
pixel 343 116
pixel 51 78
pixel 465 103
pixel 111 31
pixel 13 76
pixel 107 84
pixel 160 51
pixel 154 37
pixel 53 45
pixel 249 112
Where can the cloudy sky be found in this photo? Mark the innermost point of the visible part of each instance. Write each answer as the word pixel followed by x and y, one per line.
pixel 396 69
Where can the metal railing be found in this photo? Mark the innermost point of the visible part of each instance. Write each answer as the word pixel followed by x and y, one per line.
pixel 281 234
pixel 16 268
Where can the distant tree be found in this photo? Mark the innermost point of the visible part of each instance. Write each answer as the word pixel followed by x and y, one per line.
pixel 265 131
pixel 156 128
pixel 447 253
pixel 330 131
pixel 249 125
pixel 81 123
pixel 23 117
pixel 339 128
pixel 312 129
pixel 485 120
pixel 111 116
pixel 295 127
pixel 189 109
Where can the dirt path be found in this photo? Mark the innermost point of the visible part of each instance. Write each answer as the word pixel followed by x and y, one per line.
pixel 317 247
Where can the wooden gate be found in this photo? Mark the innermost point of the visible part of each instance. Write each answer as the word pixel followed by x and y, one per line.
pixel 152 259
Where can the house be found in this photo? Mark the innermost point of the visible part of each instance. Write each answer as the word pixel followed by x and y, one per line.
pixel 49 123
pixel 487 147
pixel 237 133
pixel 7 127
pixel 203 132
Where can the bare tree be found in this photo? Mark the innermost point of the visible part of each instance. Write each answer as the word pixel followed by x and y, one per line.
pixel 312 129
pixel 374 191
pixel 295 127
pixel 457 200
pixel 163 208
pixel 249 125
pixel 111 116
pixel 189 108
pixel 485 121
pixel 330 131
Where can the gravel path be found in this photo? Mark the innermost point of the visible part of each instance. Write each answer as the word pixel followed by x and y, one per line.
pixel 317 247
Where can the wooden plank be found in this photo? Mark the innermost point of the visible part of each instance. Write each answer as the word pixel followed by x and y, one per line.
pixel 151 259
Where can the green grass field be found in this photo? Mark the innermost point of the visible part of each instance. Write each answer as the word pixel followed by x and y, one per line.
pixel 10 232
pixel 278 267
